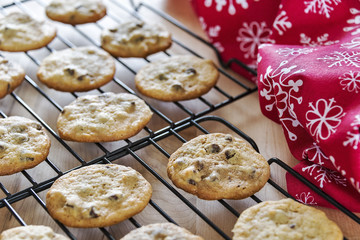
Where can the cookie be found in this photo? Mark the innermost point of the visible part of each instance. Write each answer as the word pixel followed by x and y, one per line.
pixel 23 144
pixel 20 32
pixel 75 12
pixel 11 76
pixel 98 196
pixel 177 78
pixel 161 231
pixel 31 232
pixel 216 166
pixel 285 219
pixel 77 69
pixel 135 39
pixel 103 118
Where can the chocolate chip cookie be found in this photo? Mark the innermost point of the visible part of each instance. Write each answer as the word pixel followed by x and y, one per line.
pixel 217 166
pixel 11 76
pixel 285 220
pixel 20 32
pixel 177 78
pixel 135 38
pixel 98 196
pixel 77 69
pixel 23 144
pixel 103 118
pixel 31 232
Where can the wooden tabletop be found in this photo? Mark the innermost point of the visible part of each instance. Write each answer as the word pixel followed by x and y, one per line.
pixel 147 152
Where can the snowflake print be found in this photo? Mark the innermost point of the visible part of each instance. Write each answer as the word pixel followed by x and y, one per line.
pixel 355 184
pixel 323 7
pixel 324 175
pixel 323 118
pixel 287 51
pixel 314 154
pixel 339 58
pixel 306 198
pixel 338 168
pixel 350 81
pixel 353 137
pixel 320 40
pixel 251 36
pixel 281 23
pixel 219 46
pixel 353 44
pixel 231 8
pixel 214 31
pixel 354 23
pixel 284 94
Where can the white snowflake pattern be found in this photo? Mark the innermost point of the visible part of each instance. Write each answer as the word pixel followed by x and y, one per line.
pixel 337 167
pixel 214 31
pixel 353 137
pixel 323 118
pixel 287 51
pixel 323 7
pixel 321 40
pixel 350 81
pixel 355 184
pixel 354 23
pixel 324 175
pixel 353 44
pixel 281 23
pixel 339 58
pixel 317 156
pixel 284 94
pixel 231 8
pixel 251 36
pixel 305 198
pixel 219 46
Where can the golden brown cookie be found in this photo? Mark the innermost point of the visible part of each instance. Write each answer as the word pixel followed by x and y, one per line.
pixel 11 76
pixel 217 166
pixel 77 69
pixel 23 144
pixel 102 118
pixel 135 38
pixel 158 231
pixel 98 196
pixel 31 232
pixel 19 32
pixel 75 12
pixel 285 220
pixel 177 78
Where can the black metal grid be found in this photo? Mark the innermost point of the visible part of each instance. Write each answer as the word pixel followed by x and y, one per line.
pixel 150 138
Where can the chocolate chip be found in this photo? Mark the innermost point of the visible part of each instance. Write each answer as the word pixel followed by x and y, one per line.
pixel 37 126
pixel 162 77
pixel 20 138
pixel 191 71
pixel 228 138
pixel 199 165
pixel 213 148
pixel 70 71
pixel 292 226
pixel 8 88
pixel 113 30
pixel 192 182
pixel 18 129
pixel 229 153
pixel 139 25
pixel 81 77
pixel 69 205
pixel 63 111
pixel 92 213
pixel 177 87
pixel 2 148
pixel 22 158
pixel 138 39
pixel 114 197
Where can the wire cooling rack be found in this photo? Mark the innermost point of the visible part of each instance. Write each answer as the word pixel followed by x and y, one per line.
pixel 25 191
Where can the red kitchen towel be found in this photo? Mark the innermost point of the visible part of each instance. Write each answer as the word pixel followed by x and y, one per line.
pixel 308 78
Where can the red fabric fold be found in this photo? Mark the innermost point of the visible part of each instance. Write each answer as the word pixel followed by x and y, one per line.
pixel 308 67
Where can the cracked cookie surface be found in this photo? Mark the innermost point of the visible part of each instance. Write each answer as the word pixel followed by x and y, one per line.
pixel 103 118
pixel 23 144
pixel 158 231
pixel 285 219
pixel 135 38
pixel 177 78
pixel 77 69
pixel 75 12
pixel 98 195
pixel 31 232
pixel 11 76
pixel 20 32
pixel 218 166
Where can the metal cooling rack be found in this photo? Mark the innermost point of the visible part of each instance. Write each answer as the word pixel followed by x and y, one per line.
pixel 134 151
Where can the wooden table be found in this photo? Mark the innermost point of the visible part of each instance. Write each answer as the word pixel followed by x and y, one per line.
pixel 172 124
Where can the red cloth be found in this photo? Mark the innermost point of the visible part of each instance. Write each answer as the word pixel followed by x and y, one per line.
pixel 308 78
